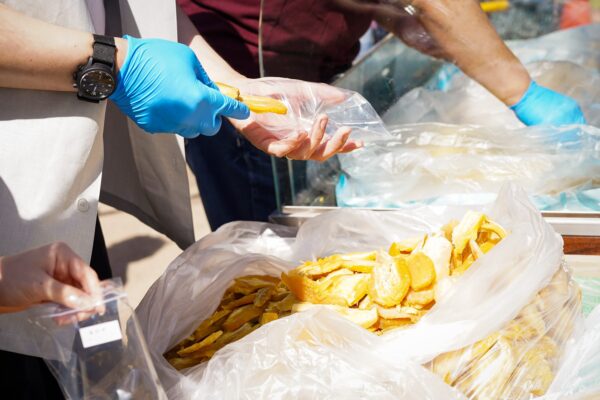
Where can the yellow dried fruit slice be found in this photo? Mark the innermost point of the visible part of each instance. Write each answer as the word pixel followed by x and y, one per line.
pixel 421 269
pixel 242 301
pixel 211 324
pixel 268 317
pixel 365 266
pixel 439 250
pixel 420 298
pixel 467 229
pixel 302 287
pixel 364 318
pixel 240 316
pixel 449 228
pixel 263 296
pixel 491 226
pixel 210 339
pixel 251 283
pixel 407 246
pixel 390 281
pixel 398 312
pixel 282 306
pixel 320 267
pixel 345 290
pixel 366 303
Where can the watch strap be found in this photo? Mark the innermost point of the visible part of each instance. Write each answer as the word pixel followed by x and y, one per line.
pixel 104 50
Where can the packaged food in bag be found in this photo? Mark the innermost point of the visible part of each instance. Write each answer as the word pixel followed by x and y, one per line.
pixel 312 352
pixel 93 355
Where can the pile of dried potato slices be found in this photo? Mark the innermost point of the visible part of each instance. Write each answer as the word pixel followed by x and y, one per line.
pixel 377 290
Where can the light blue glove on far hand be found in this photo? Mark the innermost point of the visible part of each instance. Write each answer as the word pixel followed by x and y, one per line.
pixel 162 87
pixel 542 106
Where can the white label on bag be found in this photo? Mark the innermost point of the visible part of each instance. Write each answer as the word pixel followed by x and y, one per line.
pixel 100 333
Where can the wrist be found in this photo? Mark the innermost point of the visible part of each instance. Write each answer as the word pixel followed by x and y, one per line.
pixel 121 53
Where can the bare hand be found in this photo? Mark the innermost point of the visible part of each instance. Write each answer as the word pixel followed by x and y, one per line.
pixel 52 273
pixel 294 135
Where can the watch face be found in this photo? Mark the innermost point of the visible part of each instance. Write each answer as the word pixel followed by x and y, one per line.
pixel 97 83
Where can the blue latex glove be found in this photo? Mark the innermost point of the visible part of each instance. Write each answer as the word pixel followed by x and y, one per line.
pixel 542 106
pixel 162 87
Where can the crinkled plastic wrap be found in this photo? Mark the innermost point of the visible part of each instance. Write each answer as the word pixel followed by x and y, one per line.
pixel 428 160
pixel 318 354
pixel 565 61
pixel 450 164
pixel 305 101
pixel 521 359
pixel 102 356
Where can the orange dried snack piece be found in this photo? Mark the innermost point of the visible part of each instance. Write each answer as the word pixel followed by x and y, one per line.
pixel 406 246
pixel 345 290
pixel 210 339
pixel 421 269
pixel 211 324
pixel 420 298
pixel 390 281
pixel 240 316
pixel 251 283
pixel 305 289
pixel 263 295
pixel 242 301
pixel 282 306
pixel 268 317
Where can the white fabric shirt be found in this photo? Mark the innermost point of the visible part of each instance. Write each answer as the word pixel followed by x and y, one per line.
pixel 52 149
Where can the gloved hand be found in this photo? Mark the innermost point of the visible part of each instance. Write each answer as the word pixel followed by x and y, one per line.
pixel 542 106
pixel 162 87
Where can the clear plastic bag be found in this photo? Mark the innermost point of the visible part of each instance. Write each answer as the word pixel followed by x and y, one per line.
pixel 520 360
pixel 317 355
pixel 579 375
pixel 449 164
pixel 565 61
pixel 102 356
pixel 306 100
pixel 426 160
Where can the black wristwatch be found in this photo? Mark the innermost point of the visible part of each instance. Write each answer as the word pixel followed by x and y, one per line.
pixel 97 79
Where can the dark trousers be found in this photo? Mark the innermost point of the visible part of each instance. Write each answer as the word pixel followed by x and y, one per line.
pixel 24 377
pixel 235 179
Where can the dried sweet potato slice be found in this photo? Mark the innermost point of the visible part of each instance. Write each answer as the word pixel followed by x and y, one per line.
pixel 267 317
pixel 211 324
pixel 210 339
pixel 240 316
pixel 251 283
pixel 242 301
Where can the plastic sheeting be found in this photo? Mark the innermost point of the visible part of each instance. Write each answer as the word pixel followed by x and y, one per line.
pixel 97 356
pixel 318 353
pixel 476 143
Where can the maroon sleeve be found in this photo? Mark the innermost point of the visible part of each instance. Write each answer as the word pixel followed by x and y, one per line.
pixel 303 39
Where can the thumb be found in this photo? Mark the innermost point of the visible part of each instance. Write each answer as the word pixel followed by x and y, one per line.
pixel 228 107
pixel 201 74
pixel 66 295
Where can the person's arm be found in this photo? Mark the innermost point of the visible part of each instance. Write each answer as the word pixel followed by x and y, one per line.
pixel 463 34
pixel 460 32
pixel 52 273
pixel 38 55
pixel 160 85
